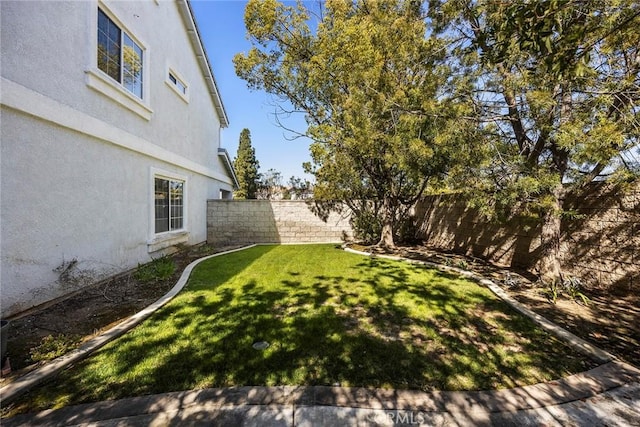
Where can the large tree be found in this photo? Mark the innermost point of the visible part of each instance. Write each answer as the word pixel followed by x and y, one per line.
pixel 368 79
pixel 556 87
pixel 246 168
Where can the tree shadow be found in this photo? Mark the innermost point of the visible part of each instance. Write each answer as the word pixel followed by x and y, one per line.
pixel 447 223
pixel 603 237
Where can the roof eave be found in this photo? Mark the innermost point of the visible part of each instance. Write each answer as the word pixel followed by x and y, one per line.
pixel 229 166
pixel 194 36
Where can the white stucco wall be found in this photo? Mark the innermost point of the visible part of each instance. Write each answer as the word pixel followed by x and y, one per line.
pixel 77 166
pixel 50 47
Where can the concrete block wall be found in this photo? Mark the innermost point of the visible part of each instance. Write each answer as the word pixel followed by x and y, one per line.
pixel 600 240
pixel 603 241
pixel 446 223
pixel 271 221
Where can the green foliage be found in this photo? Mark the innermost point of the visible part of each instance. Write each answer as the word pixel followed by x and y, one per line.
pixel 462 264
pixel 369 81
pixel 157 270
pixel 552 291
pixel 299 189
pixel 572 286
pixel 366 226
pixel 366 222
pixel 555 90
pixel 54 346
pixel 565 73
pixel 270 185
pixel 572 215
pixel 246 168
pixel 569 286
pixel 510 102
pixel 406 230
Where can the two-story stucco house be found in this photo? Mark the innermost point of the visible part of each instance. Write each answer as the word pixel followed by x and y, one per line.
pixel 110 133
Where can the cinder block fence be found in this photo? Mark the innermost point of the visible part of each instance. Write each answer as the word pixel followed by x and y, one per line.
pixel 271 221
pixel 600 237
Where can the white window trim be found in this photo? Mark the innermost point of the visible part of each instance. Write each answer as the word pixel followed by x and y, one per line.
pixel 103 83
pixel 158 241
pixel 100 82
pixel 178 76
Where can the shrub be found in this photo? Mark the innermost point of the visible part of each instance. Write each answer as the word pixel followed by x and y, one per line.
pixel 53 346
pixel 366 227
pixel 570 286
pixel 157 270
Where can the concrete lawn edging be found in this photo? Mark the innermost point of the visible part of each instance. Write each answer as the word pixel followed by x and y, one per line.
pixel 24 383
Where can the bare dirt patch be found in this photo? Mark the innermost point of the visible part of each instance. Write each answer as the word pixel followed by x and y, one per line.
pixel 608 321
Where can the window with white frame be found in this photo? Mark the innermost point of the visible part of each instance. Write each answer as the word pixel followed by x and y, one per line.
pixel 119 56
pixel 169 204
pixel 179 85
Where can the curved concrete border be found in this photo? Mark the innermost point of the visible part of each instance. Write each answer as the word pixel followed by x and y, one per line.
pixel 24 383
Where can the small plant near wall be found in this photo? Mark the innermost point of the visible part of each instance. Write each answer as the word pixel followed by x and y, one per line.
pixel 157 270
pixel 552 291
pixel 572 215
pixel 511 281
pixel 54 346
pixel 448 262
pixel 573 288
pixel 462 264
pixel 569 286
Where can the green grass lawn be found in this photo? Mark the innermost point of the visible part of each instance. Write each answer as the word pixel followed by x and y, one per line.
pixel 330 317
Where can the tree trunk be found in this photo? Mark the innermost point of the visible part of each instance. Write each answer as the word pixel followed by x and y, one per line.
pixel 386 237
pixel 549 262
pixel 388 220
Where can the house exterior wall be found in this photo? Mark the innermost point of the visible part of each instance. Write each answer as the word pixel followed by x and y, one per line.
pixel 79 154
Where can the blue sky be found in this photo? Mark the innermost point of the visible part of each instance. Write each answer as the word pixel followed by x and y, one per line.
pixel 223 34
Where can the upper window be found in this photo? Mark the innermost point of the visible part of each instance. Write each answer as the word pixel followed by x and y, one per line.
pixel 118 55
pixel 182 88
pixel 179 85
pixel 169 204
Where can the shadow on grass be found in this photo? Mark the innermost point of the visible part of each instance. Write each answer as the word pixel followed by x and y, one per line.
pixel 333 331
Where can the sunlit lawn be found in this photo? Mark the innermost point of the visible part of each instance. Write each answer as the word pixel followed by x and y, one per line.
pixel 330 317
